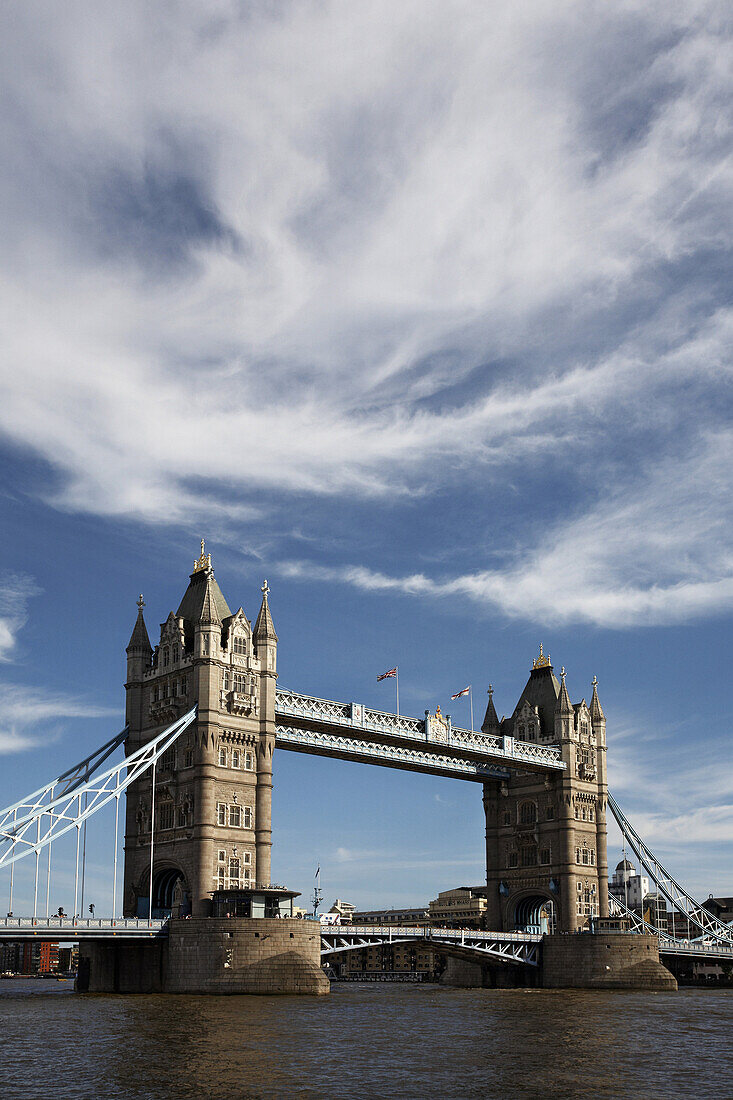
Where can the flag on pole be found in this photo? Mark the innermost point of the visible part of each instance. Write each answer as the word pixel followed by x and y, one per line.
pixel 458 694
pixel 386 675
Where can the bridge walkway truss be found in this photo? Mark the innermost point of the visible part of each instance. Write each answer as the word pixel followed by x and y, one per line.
pixel 352 731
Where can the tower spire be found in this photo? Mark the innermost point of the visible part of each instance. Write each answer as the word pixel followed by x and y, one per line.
pixel 564 706
pixel 264 627
pixel 491 719
pixel 139 639
pixel 596 710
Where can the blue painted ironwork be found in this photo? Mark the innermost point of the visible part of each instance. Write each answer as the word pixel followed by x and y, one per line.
pixel 344 747
pixel 713 930
pixel 520 948
pixel 294 710
pixel 57 815
pixel 71 929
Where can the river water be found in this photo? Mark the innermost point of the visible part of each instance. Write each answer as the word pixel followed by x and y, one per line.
pixel 370 1040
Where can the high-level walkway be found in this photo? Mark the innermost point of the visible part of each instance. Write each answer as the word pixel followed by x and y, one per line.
pixel 352 731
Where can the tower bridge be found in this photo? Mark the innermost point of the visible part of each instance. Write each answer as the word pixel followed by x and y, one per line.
pixel 204 716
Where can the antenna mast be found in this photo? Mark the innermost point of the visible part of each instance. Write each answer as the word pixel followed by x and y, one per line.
pixel 317 892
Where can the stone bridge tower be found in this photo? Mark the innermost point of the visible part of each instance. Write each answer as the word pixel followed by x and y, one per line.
pixel 214 787
pixel 546 862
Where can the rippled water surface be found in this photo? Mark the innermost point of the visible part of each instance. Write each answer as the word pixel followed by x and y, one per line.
pixel 366 1041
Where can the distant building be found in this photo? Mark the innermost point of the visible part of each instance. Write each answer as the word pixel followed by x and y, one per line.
pixel 417 915
pixel 385 958
pixel 11 958
pixel 627 886
pixel 722 908
pixel 68 959
pixel 344 910
pixel 654 911
pixel 463 907
pixel 30 957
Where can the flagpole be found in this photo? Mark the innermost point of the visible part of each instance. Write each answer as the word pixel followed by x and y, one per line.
pixel 470 699
pixel 397 685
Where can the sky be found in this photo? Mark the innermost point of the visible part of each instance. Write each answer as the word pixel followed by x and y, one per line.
pixel 422 311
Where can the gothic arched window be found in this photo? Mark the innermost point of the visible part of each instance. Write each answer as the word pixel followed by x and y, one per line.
pixel 528 813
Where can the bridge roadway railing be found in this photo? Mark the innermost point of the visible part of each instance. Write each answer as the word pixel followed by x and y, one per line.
pixel 328 716
pixel 521 948
pixel 80 928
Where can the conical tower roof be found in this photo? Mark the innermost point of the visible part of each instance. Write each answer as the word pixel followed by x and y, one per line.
pixel 491 719
pixel 203 600
pixel 596 710
pixel 139 638
pixel 264 627
pixel 564 706
pixel 541 691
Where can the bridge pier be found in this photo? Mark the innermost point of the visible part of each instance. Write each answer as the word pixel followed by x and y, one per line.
pixel 573 961
pixel 612 960
pixel 210 955
pixel 467 974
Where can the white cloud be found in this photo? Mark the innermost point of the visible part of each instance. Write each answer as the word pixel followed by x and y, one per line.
pixel 34 716
pixel 258 251
pixel 657 553
pixel 15 591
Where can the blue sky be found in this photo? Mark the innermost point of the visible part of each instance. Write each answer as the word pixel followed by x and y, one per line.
pixel 421 311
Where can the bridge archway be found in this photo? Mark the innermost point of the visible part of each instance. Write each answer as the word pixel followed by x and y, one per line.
pixel 170 890
pixel 535 913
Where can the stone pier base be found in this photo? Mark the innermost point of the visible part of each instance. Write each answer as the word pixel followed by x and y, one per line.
pixel 207 955
pixel 605 961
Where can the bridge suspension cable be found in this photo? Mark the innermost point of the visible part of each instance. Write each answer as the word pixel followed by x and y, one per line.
pixel 90 794
pixel 712 929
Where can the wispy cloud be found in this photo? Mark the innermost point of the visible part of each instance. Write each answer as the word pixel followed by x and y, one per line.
pixel 450 248
pixel 34 716
pixel 15 591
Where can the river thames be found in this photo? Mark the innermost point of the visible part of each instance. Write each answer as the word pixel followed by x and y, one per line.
pixel 370 1040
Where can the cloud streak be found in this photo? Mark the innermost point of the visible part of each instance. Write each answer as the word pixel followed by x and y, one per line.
pixel 448 249
pixel 15 591
pixel 35 716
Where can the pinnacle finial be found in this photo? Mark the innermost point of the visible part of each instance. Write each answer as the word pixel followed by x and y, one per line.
pixel 140 602
pixel 490 691
pixel 265 588
pixel 543 661
pixel 594 681
pixel 204 562
pixel 563 673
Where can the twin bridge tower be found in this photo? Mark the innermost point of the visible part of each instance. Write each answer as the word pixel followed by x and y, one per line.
pixel 543 770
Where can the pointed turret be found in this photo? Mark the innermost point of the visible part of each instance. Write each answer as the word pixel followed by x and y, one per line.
pixel 264 627
pixel 203 600
pixel 209 612
pixel 596 710
pixel 139 651
pixel 541 692
pixel 139 640
pixel 491 720
pixel 564 708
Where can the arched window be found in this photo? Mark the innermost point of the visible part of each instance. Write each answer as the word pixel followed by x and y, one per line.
pixel 166 656
pixel 528 813
pixel 174 654
pixel 240 645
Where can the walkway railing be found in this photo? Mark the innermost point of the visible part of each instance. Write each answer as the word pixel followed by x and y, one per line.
pixel 74 928
pixel 319 713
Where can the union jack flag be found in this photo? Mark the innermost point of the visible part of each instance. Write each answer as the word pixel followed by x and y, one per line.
pixel 386 675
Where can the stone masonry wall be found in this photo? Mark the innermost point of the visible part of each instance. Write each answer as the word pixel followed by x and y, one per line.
pixel 203 955
pixel 245 956
pixel 613 961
